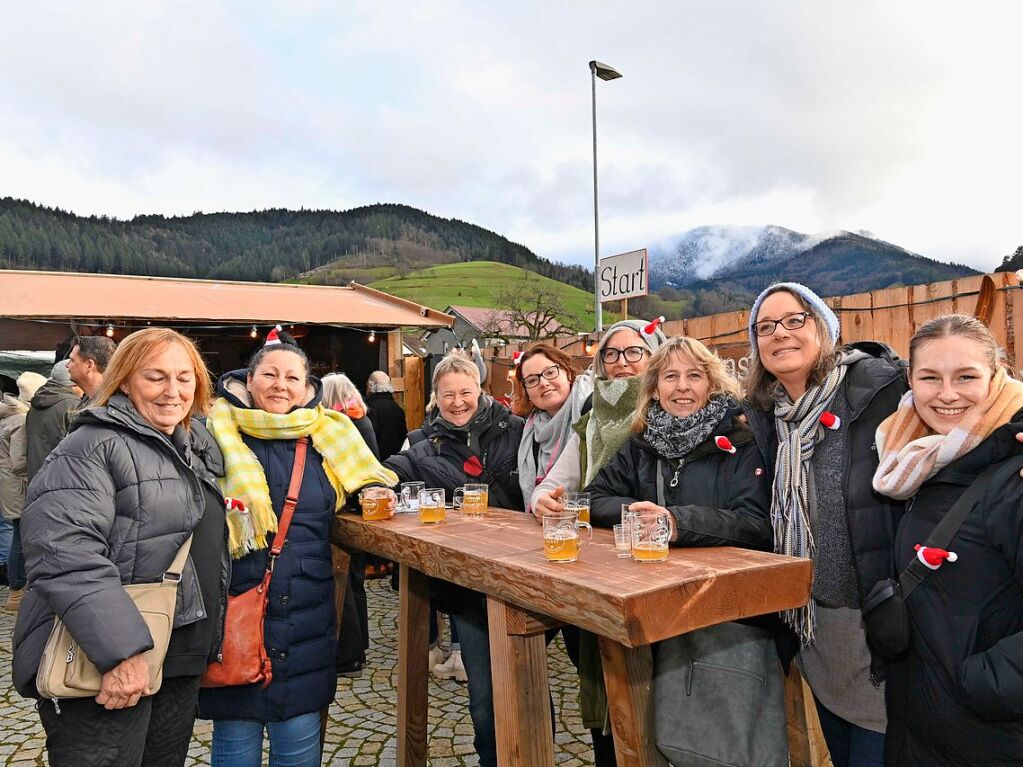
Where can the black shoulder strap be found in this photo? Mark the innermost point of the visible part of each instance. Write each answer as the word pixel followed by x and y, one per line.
pixel 943 533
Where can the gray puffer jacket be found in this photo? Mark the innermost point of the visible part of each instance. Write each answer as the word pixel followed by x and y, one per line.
pixel 111 505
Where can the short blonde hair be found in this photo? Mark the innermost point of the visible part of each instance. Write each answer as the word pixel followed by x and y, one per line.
pixel 456 361
pixel 339 391
pixel 142 345
pixel 721 381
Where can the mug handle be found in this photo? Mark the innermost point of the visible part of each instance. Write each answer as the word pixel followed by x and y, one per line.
pixel 584 541
pixel 406 497
pixel 456 498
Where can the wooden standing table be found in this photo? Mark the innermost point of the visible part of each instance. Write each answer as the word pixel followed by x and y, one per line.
pixel 628 604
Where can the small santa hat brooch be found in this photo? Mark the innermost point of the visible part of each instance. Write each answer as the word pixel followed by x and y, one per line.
pixel 516 359
pixel 272 338
pixel 234 504
pixel 651 327
pixel 931 558
pixel 725 444
pixel 830 421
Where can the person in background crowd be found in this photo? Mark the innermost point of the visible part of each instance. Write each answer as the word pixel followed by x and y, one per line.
pixel 957 697
pixel 545 375
pixel 622 355
pixel 257 420
pixel 467 437
pixel 14 477
pixel 715 494
pixel 386 415
pixel 89 358
pixel 49 416
pixel 814 410
pixel 112 505
pixel 340 394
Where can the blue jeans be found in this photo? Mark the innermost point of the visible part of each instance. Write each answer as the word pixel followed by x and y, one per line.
pixel 6 533
pixel 294 742
pixel 850 745
pixel 15 560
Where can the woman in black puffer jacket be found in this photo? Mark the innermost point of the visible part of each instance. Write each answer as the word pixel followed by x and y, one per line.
pixel 693 459
pixel 468 437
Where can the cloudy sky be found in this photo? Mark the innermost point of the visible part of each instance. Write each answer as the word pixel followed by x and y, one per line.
pixel 901 118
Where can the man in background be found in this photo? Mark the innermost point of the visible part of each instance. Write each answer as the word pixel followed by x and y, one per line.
pixel 385 414
pixel 88 361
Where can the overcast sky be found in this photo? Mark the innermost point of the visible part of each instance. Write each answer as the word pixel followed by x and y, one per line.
pixel 901 118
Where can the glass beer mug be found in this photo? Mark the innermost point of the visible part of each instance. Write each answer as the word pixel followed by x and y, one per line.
pixel 472 499
pixel 431 505
pixel 561 539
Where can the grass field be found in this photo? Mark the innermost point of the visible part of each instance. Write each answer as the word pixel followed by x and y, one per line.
pixel 478 283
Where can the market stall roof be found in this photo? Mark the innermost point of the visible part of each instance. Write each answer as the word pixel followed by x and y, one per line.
pixel 63 295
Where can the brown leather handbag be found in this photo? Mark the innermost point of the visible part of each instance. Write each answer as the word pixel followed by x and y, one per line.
pixel 242 658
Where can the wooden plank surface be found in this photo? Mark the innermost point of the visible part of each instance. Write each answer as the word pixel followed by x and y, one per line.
pixel 522 715
pixel 634 604
pixel 628 676
pixel 413 671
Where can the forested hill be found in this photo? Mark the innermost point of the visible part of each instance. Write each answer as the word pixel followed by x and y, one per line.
pixel 268 245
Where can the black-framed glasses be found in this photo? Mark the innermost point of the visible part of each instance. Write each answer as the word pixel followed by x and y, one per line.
pixel 550 373
pixel 609 355
pixel 789 322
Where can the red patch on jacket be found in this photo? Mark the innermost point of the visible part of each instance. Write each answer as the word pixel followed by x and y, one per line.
pixel 472 466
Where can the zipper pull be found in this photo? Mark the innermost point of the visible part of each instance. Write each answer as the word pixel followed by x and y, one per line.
pixel 689 680
pixel 56 706
pixel 674 479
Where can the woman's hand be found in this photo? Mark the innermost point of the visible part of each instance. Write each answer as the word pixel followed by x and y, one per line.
pixel 392 501
pixel 549 503
pixel 648 507
pixel 124 684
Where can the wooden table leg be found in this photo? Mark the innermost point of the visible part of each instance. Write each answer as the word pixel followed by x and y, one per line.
pixel 522 707
pixel 413 659
pixel 628 675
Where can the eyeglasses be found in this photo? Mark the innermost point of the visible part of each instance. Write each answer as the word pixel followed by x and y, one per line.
pixel 609 354
pixel 550 373
pixel 789 322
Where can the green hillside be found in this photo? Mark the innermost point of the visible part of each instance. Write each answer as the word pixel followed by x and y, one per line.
pixel 479 283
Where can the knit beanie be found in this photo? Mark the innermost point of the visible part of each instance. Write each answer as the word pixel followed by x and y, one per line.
pixel 820 309
pixel 652 340
pixel 60 374
pixel 28 383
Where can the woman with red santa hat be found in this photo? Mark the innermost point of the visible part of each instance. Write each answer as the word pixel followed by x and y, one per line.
pixel 956 696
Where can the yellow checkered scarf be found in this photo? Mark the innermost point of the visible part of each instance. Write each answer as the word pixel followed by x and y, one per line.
pixel 349 464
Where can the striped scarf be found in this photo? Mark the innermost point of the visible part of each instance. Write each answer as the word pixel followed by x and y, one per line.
pixel 910 453
pixel 799 430
pixel 347 461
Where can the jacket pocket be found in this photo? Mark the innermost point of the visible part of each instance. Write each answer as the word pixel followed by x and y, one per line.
pixel 317 569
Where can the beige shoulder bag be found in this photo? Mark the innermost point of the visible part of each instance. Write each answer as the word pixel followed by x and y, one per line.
pixel 66 672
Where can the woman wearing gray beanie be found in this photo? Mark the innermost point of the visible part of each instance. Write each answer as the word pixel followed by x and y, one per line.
pixel 814 409
pixel 622 356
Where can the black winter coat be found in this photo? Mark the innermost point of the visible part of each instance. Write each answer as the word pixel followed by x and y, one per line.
pixel 388 421
pixel 721 499
pixel 300 621
pixel 873 388
pixel 957 698
pixel 111 505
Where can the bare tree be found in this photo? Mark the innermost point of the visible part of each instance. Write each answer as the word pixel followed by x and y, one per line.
pixel 539 309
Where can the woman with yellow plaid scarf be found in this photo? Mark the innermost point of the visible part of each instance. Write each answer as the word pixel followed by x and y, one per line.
pixel 261 414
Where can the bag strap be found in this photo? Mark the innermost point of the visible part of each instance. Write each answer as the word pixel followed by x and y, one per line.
pixel 943 533
pixel 297 471
pixel 173 573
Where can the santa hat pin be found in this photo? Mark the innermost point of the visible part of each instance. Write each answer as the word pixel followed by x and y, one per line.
pixel 725 444
pixel 830 421
pixel 516 358
pixel 234 504
pixel 271 337
pixel 651 327
pixel 932 557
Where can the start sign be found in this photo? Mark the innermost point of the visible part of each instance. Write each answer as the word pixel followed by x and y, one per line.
pixel 623 276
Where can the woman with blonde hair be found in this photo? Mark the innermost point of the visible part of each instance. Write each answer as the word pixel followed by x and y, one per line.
pixel 956 696
pixel 112 505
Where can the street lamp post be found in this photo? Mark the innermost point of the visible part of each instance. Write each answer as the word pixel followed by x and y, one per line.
pixel 604 72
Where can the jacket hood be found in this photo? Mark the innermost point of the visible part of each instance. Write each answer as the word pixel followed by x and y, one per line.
pixel 489 412
pixel 872 367
pixel 52 393
pixel 11 405
pixel 231 387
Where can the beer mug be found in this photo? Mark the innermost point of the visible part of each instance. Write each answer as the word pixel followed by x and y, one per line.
pixel 472 499
pixel 377 503
pixel 579 503
pixel 561 539
pixel 409 495
pixel 651 531
pixel 431 505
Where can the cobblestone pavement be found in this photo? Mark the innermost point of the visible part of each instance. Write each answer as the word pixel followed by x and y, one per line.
pixel 361 730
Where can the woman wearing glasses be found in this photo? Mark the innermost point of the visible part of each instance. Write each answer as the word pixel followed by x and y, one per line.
pixel 554 399
pixel 622 356
pixel 814 410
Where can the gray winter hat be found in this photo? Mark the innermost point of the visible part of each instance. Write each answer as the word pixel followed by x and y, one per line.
pixel 61 374
pixel 821 309
pixel 650 332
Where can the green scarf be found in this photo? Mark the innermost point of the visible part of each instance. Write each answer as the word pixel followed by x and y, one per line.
pixel 607 427
pixel 347 461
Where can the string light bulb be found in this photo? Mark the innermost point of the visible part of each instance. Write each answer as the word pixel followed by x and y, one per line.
pixel 253 333
pixel 372 336
pixel 588 346
pixel 110 330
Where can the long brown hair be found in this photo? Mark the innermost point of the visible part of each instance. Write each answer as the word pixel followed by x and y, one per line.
pixel 759 385
pixel 521 404
pixel 142 345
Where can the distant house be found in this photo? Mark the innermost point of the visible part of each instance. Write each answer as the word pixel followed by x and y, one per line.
pixel 485 324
